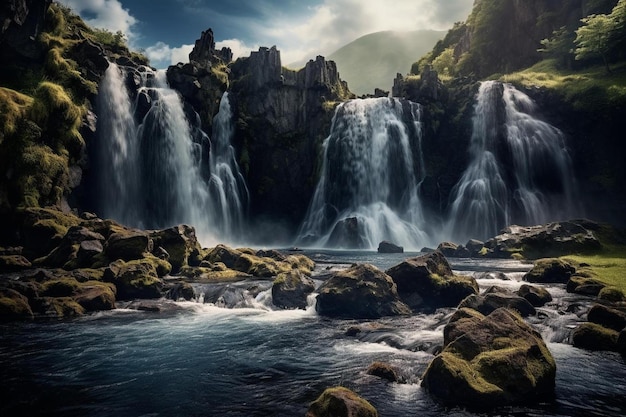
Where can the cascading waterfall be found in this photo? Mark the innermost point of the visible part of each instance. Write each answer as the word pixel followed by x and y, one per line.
pixel 519 172
pixel 227 185
pixel 368 190
pixel 154 165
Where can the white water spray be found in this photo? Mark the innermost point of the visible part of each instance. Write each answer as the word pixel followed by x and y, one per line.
pixel 368 190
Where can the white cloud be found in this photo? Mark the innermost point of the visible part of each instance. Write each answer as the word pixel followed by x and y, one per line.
pixel 108 14
pixel 162 55
pixel 239 48
pixel 334 23
pixel 180 54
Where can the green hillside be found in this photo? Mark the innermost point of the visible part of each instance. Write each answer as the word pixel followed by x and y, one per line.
pixel 373 60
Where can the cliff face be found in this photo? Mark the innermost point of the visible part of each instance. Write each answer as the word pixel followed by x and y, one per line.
pixel 283 117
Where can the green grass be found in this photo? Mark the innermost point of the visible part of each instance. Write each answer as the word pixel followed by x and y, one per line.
pixel 577 86
pixel 609 267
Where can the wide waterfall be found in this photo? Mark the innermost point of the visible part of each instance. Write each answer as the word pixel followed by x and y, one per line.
pixel 520 170
pixel 369 187
pixel 157 168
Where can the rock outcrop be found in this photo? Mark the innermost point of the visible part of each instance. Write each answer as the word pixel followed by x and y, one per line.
pixel 291 289
pixel 427 282
pixel 340 402
pixel 490 361
pixel 361 291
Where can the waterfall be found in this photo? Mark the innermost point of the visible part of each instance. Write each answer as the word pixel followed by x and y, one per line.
pixel 368 189
pixel 156 167
pixel 520 170
pixel 227 185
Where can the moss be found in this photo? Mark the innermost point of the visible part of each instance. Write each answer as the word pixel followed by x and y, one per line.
pixel 592 336
pixel 13 106
pixel 340 401
pixel 612 294
pixel 64 287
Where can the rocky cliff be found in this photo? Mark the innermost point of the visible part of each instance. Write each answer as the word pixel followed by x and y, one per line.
pixel 281 115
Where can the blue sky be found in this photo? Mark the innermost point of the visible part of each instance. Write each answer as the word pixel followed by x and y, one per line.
pixel 167 29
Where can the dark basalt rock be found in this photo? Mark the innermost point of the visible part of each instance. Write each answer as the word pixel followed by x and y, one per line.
pixel 592 336
pixel 492 301
pixel 536 296
pixel 427 282
pixel 340 402
pixel 608 317
pixel 291 289
pixel 550 270
pixel 490 361
pixel 361 291
pixel 389 247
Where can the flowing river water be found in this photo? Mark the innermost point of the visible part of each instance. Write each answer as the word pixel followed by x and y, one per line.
pixel 201 359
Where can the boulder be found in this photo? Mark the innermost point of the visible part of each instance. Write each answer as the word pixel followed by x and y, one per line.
pixel 448 248
pixel 87 250
pixel 361 291
pixel 96 296
pixel 13 263
pixel 384 371
pixel 552 239
pixel 536 296
pixel 389 247
pixel 592 336
pixel 134 279
pixel 14 306
pixel 474 247
pixel 550 270
pixel 57 307
pixel 181 291
pixel 584 285
pixel 492 361
pixel 612 294
pixel 291 289
pixel 180 243
pixel 608 317
pixel 495 300
pixel 128 246
pixel 340 402
pixel 427 282
pixel 224 254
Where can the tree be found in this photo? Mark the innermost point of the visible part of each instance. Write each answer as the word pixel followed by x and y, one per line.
pixel 601 34
pixel 560 46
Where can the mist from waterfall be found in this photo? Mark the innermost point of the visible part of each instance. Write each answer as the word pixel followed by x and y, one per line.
pixel 369 187
pixel 520 171
pixel 153 163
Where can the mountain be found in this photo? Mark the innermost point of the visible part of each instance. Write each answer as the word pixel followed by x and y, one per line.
pixel 373 60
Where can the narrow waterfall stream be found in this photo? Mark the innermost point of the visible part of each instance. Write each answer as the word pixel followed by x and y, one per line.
pixel 157 168
pixel 520 170
pixel 369 186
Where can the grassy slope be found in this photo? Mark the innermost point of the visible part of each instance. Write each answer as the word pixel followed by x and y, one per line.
pixel 374 60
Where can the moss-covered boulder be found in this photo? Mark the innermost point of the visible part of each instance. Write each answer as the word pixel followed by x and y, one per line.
pixel 340 402
pixel 361 291
pixel 383 370
pixel 537 296
pixel 224 254
pixel 14 306
pixel 95 296
pixel 181 244
pixel 134 279
pixel 291 289
pixel 592 336
pixel 612 294
pixel 128 245
pixel 13 263
pixel 39 230
pixel 584 284
pixel 608 317
pixel 550 270
pixel 492 361
pixel 57 307
pixel 485 304
pixel 427 282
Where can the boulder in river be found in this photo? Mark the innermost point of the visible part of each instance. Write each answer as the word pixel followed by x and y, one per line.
pixel 487 303
pixel 427 282
pixel 389 247
pixel 592 336
pixel 340 402
pixel 550 270
pixel 492 361
pixel 537 296
pixel 361 291
pixel 291 289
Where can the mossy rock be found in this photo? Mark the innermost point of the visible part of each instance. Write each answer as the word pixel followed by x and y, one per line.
pixel 340 402
pixel 14 306
pixel 291 289
pixel 579 284
pixel 537 296
pixel 384 371
pixel 361 291
pixel 612 294
pixel 491 361
pixel 260 267
pixel 181 244
pixel 57 307
pixel 488 303
pixel 134 279
pixel 302 263
pixel 550 270
pixel 13 263
pixel 427 282
pixel 128 246
pixel 41 229
pixel 96 296
pixel 592 336
pixel 224 254
pixel 63 287
pixel 608 317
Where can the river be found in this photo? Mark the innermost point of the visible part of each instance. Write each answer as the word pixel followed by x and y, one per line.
pixel 204 360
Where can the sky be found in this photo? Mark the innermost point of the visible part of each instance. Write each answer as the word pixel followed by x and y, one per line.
pixel 301 29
